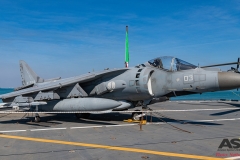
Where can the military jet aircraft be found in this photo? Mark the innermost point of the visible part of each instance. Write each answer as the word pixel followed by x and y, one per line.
pixel 118 89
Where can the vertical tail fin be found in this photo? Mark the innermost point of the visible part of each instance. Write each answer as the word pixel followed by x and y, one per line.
pixel 28 75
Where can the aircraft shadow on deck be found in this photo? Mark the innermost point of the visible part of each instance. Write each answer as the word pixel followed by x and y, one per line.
pixel 226 104
pixel 123 116
pixel 181 121
pixel 203 104
pixel 225 112
pixel 53 120
pixel 232 104
pixel 229 111
pixel 96 119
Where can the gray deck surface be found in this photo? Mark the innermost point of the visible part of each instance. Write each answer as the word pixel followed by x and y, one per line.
pixel 204 139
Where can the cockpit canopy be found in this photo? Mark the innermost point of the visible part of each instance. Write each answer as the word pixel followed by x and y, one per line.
pixel 171 64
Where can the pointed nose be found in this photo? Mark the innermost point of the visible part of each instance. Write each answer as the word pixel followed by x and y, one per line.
pixel 228 80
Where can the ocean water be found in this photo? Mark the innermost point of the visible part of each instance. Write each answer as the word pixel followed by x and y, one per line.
pixel 224 95
pixel 5 90
pixel 228 95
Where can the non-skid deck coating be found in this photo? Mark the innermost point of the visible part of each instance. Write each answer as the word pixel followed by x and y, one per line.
pixel 106 136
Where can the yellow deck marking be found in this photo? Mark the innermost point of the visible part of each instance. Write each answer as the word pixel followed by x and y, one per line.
pixel 169 154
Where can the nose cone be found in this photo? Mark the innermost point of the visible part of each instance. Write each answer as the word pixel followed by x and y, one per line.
pixel 228 80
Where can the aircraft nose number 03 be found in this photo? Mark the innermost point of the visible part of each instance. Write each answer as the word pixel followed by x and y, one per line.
pixel 188 78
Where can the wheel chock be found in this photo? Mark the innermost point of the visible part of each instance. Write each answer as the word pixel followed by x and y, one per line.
pixel 133 121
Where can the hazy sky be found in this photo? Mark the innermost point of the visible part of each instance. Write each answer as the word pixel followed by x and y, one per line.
pixel 68 38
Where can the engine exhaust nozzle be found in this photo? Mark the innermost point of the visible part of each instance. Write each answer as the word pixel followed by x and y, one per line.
pixel 228 80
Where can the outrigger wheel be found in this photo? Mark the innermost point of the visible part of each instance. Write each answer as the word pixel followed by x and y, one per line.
pixel 37 118
pixel 82 115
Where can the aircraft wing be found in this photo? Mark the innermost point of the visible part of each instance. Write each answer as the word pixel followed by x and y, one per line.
pixel 60 83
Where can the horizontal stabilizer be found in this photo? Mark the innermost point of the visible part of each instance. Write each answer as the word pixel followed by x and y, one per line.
pixel 52 79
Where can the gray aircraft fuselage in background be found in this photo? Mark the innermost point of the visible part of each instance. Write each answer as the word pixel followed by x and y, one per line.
pixel 118 89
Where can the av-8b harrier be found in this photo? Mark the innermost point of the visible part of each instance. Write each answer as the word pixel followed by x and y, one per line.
pixel 118 89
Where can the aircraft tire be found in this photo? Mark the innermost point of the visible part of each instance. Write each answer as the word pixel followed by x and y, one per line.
pixel 134 114
pixel 37 119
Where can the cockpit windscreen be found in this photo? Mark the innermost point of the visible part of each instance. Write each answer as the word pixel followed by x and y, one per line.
pixel 171 64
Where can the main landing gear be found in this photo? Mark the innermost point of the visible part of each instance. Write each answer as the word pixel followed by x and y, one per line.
pixel 136 116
